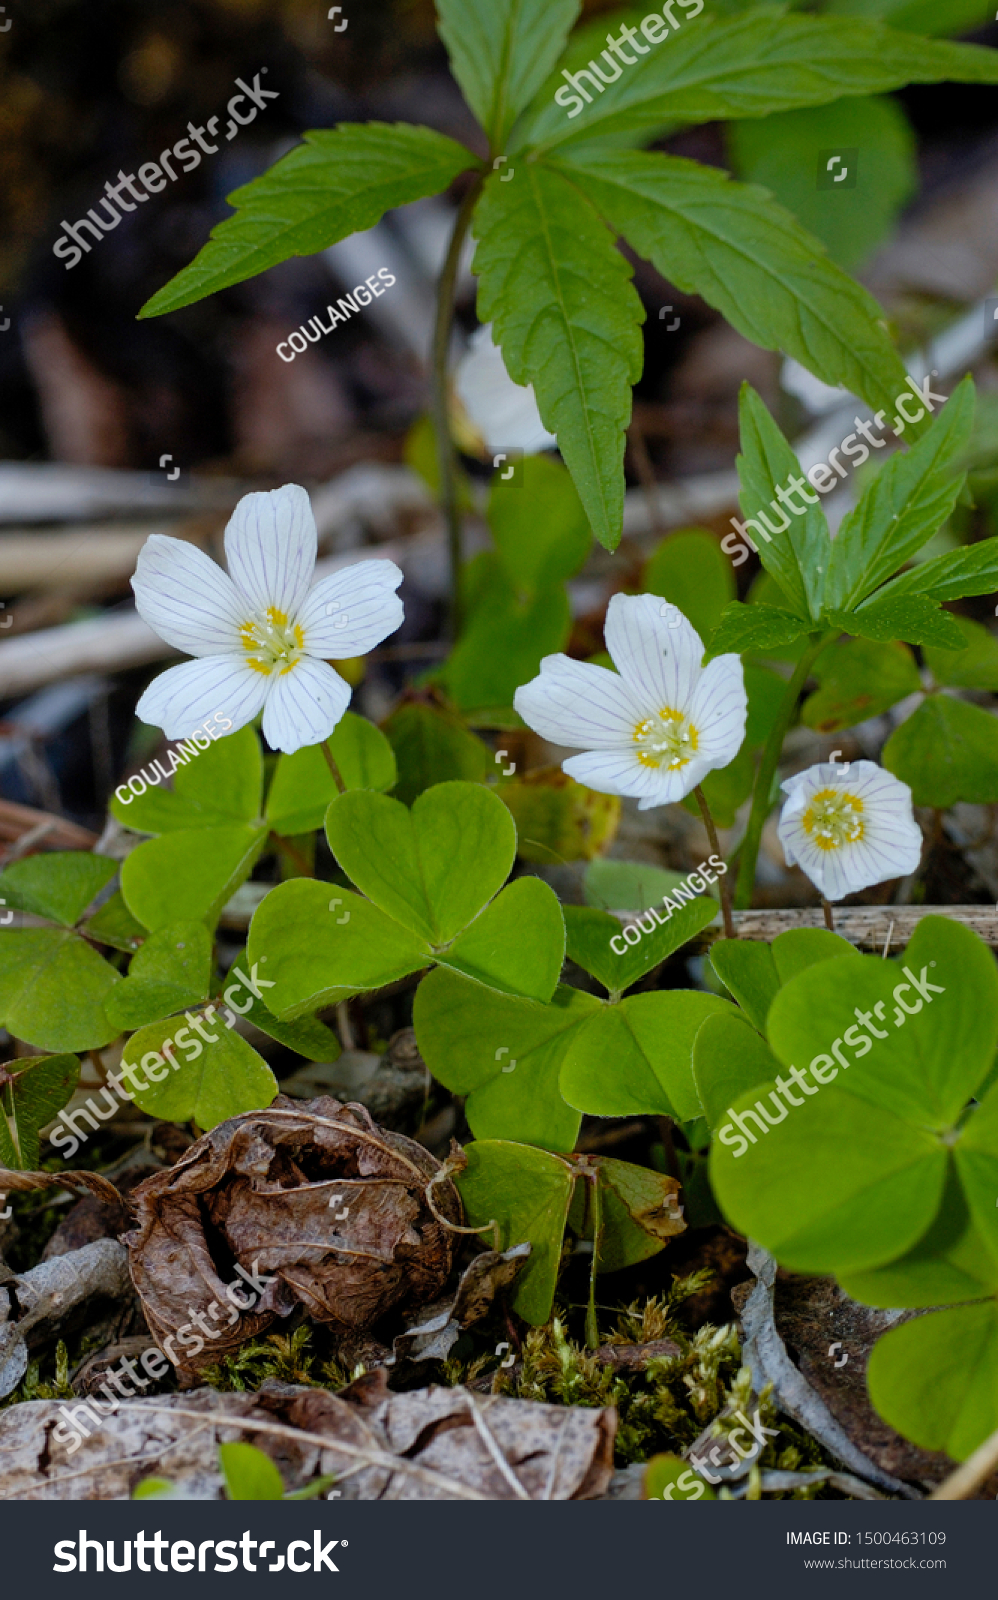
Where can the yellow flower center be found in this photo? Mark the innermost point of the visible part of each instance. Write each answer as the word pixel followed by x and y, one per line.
pixel 667 739
pixel 272 645
pixel 834 818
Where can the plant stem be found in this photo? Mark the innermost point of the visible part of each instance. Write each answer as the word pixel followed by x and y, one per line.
pixel 724 885
pixel 334 769
pixel 829 918
pixel 440 402
pixel 767 770
pixel 592 1324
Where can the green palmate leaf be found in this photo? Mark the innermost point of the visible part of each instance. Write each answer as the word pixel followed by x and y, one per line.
pixel 729 1059
pixel 339 181
pixel 309 1037
pixel 934 1378
pixel 504 1054
pixel 213 788
pixel 595 940
pixel 744 254
pixel 172 970
pixel 563 309
pixel 432 868
pixel 197 1076
pixel 752 65
pixel 191 874
pixel 784 151
pixel 504 640
pixel 113 924
pixel 935 17
pixel 249 1474
pixel 324 944
pixel 756 627
pixel 542 536
pixel 973 666
pixel 913 617
pixel 32 1090
pixel 945 752
pixel 614 885
pixel 52 989
pixel 433 746
pixel 755 972
pixel 689 570
pixel 303 785
pixel 972 570
pixel 907 502
pixel 528 1193
pixel 59 886
pixel 858 680
pixel 501 51
pixel 649 1038
pixel 517 944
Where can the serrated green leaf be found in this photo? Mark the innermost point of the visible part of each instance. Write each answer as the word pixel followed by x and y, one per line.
pixel 218 1075
pixel 933 17
pixel 972 570
pixel 756 627
pixel 528 1193
pixel 432 868
pixel 339 181
pixel 933 1378
pixel 542 535
pixel 690 570
pixel 60 885
pixel 649 1038
pixel 172 970
pixel 501 51
pixel 433 746
pixel 973 666
pixel 594 940
pixel 504 1053
pixel 799 556
pixel 191 874
pixel 859 679
pixel 567 318
pixel 52 989
pixel 32 1090
pixel 914 618
pixel 907 502
pixel 517 944
pixel 946 751
pixel 303 785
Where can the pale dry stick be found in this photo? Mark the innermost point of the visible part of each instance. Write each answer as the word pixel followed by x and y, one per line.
pixel 971 1473
pixel 452 1227
pixel 887 941
pixel 492 1445
pixel 161 1450
pixel 864 926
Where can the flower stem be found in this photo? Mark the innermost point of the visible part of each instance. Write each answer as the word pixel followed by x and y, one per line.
pixel 724 885
pixel 334 769
pixel 829 918
pixel 440 403
pixel 767 769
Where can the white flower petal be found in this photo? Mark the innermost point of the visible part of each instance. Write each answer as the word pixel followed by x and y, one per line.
pixel 718 709
pixel 660 664
pixel 615 772
pixel 891 844
pixel 304 705
pixel 505 413
pixel 184 697
pixel 186 597
pixel 577 703
pixel 270 546
pixel 350 612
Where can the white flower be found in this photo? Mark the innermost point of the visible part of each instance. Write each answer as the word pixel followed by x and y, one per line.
pixel 505 413
pixel 654 728
pixel 849 829
pixel 261 633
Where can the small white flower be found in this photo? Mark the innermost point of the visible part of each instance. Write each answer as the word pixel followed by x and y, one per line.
pixel 654 728
pixel 263 632
pixel 505 413
pixel 848 832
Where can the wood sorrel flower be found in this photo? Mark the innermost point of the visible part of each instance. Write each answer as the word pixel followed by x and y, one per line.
pixel 263 632
pixel 848 829
pixel 654 728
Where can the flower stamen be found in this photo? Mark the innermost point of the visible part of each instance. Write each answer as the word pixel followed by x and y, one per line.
pixel 833 819
pixel 666 739
pixel 271 643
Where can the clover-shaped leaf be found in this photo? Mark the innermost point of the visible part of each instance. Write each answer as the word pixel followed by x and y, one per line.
pixel 32 1090
pixel 218 1075
pixel 754 972
pixel 648 1038
pixel 596 941
pixel 172 970
pixel 303 785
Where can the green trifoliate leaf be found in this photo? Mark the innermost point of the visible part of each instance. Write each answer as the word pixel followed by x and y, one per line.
pixel 613 885
pixel 749 66
pixel 639 1212
pixel 32 1090
pixel 214 787
pixel 756 627
pixel 202 1074
pixel 973 666
pixel 950 1262
pixel 59 886
pixel 972 570
pixel 913 617
pixel 907 502
pixel 431 746
pixel 114 925
pixel 755 972
pixel 517 944
pixel 542 535
pixel 596 940
pixel 308 1036
pixel 934 1378
pixel 729 1059
pixel 191 874
pixel 501 51
pixel 504 1053
pixel 858 680
pixel 528 1192
pixel 567 318
pixel 339 181
pixel 946 751
pixel 690 570
pixel 53 986
pixel 323 944
pixel 172 970
pixel 432 868
pixel 303 784
pixel 649 1038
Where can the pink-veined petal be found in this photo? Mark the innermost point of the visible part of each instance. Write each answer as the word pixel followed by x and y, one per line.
pixel 303 705
pixel 351 611
pixel 184 697
pixel 578 704
pixel 270 546
pixel 891 843
pixel 661 664
pixel 718 709
pixel 186 597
